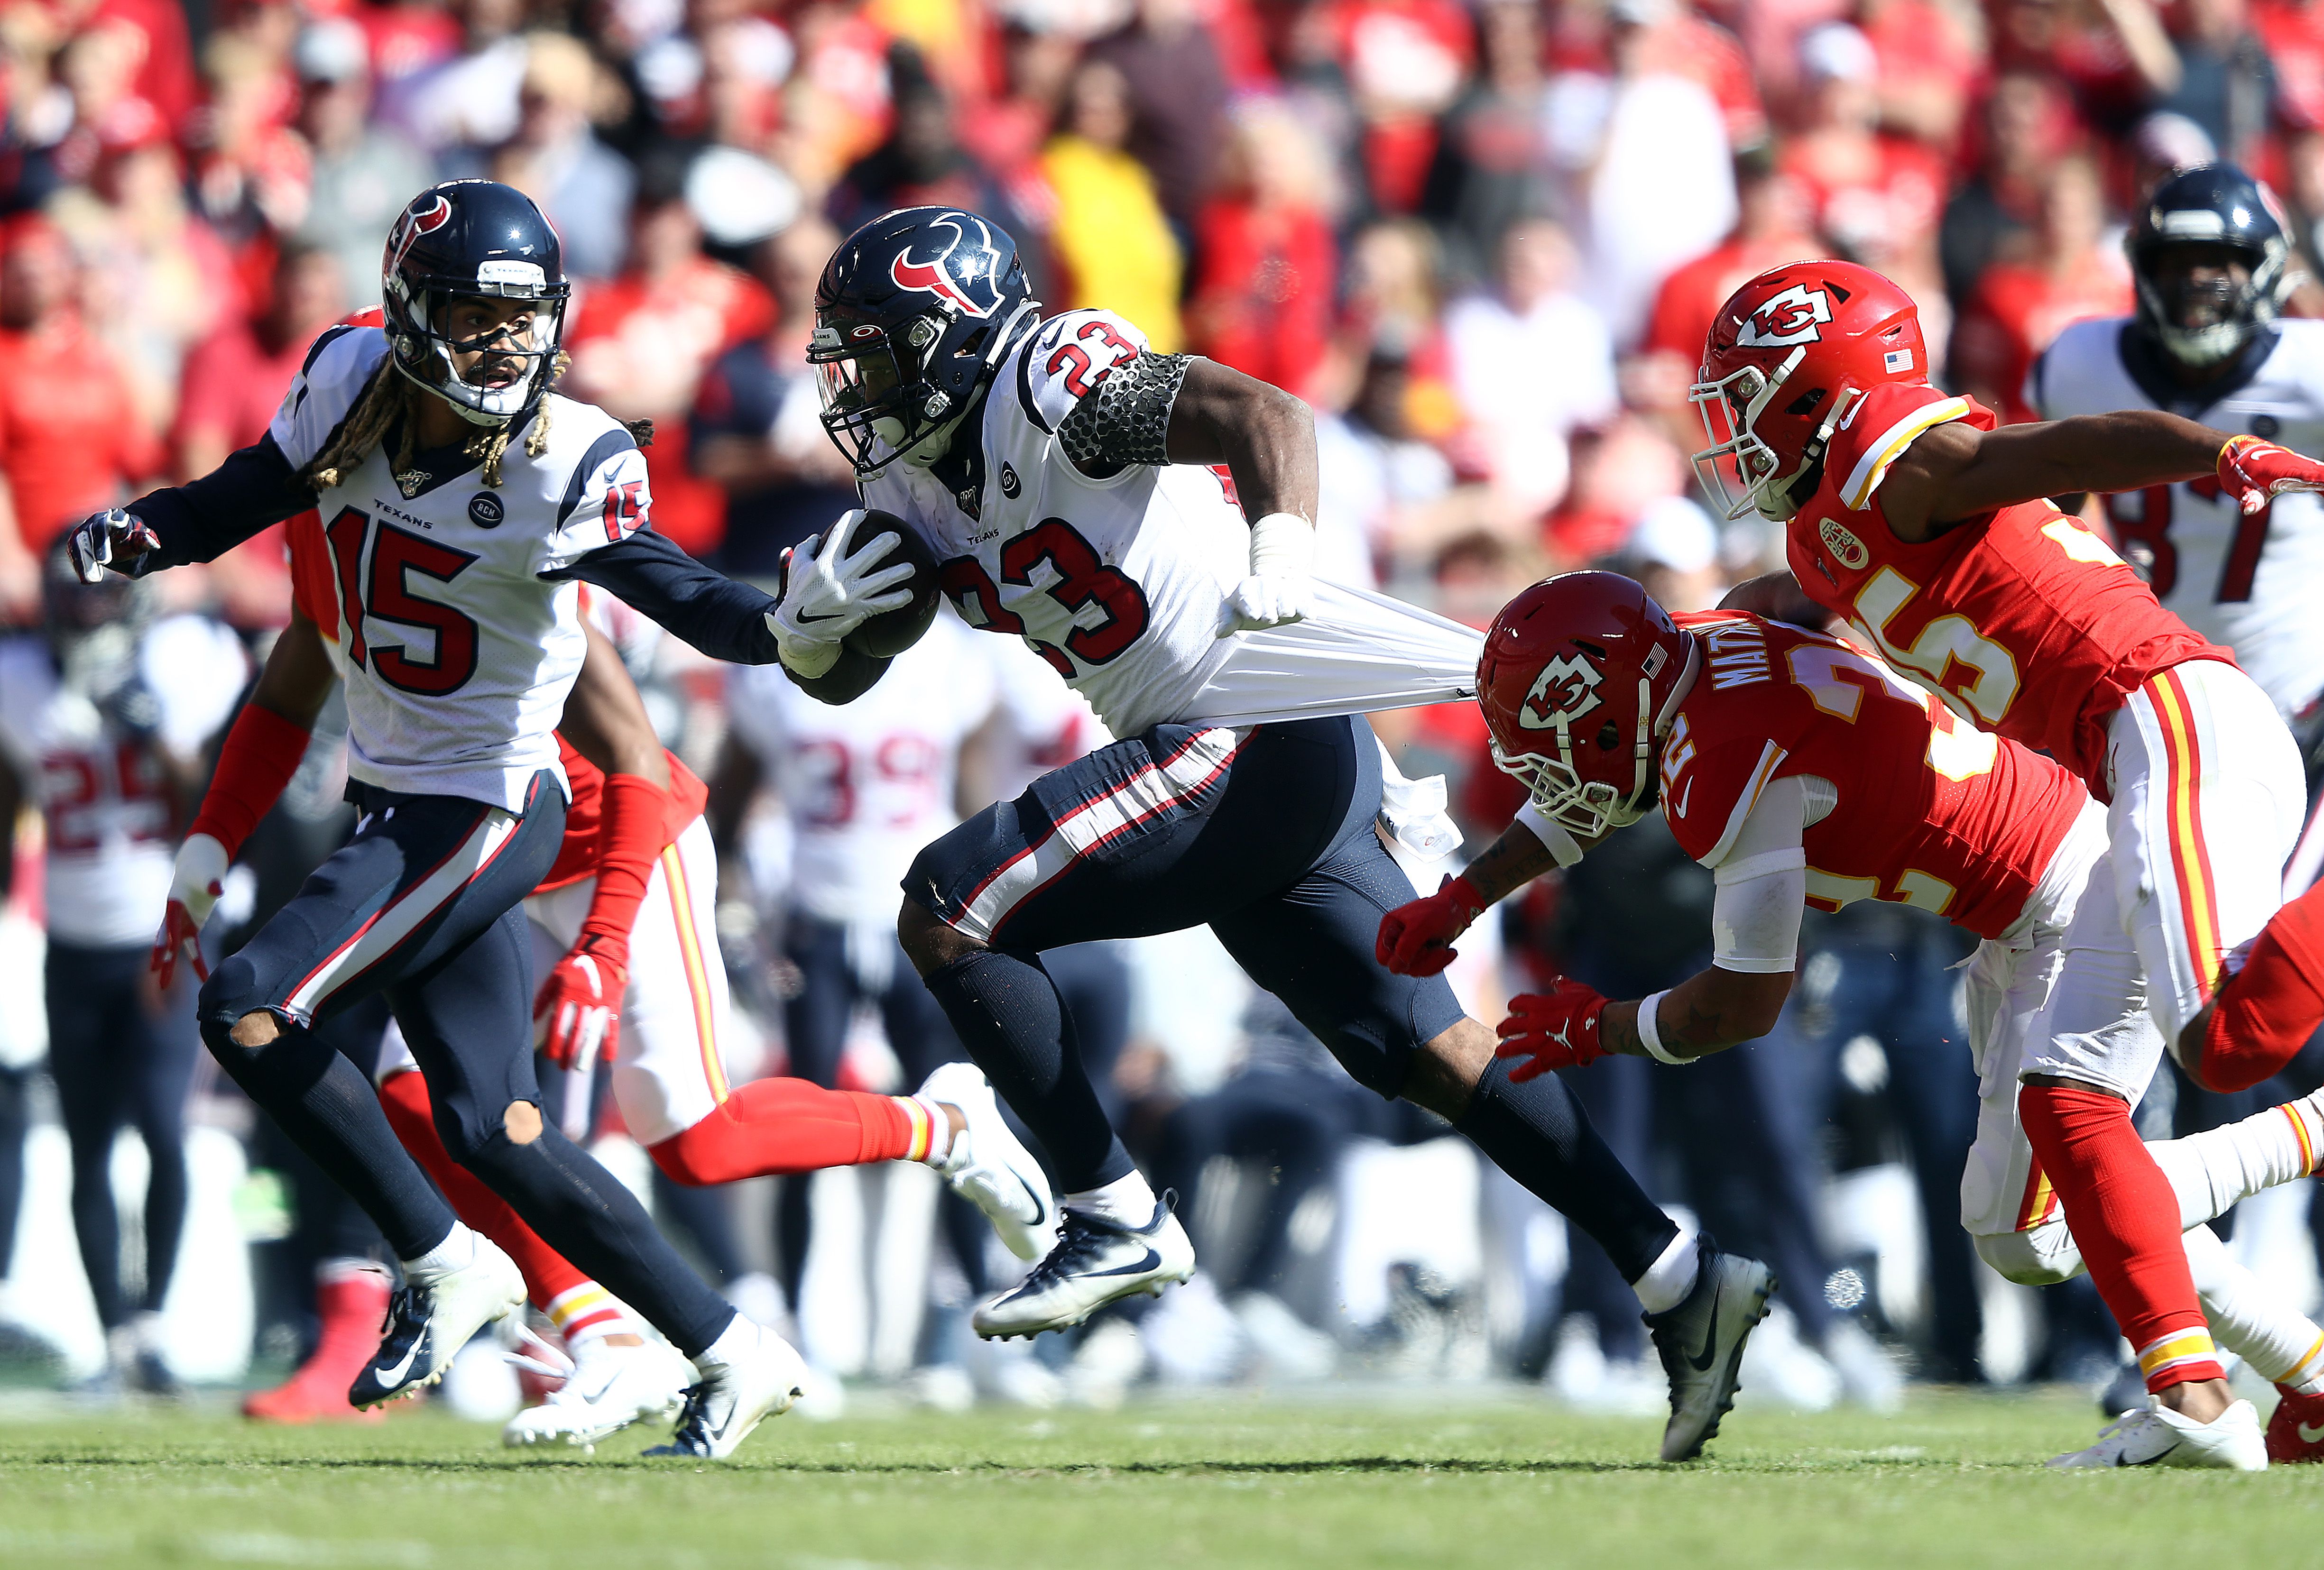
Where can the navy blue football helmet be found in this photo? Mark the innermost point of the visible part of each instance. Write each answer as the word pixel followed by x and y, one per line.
pixel 468 238
pixel 2193 225
pixel 912 315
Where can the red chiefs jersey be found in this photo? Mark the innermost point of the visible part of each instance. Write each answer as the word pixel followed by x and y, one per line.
pixel 314 591
pixel 2025 622
pixel 1931 811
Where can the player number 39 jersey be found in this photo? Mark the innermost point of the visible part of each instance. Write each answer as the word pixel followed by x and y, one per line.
pixel 457 654
pixel 1907 802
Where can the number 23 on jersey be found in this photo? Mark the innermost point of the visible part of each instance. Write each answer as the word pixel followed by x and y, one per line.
pixel 1107 608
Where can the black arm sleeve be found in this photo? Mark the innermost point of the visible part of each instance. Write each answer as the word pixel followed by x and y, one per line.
pixel 204 519
pixel 1125 419
pixel 722 618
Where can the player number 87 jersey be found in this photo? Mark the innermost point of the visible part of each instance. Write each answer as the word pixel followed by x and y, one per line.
pixel 1920 806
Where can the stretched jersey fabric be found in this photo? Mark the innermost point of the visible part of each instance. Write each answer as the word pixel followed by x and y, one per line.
pixel 2024 621
pixel 2246 580
pixel 311 590
pixel 866 784
pixel 1119 583
pixel 460 632
pixel 1923 809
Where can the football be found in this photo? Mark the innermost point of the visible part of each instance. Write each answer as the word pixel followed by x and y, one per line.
pixel 892 632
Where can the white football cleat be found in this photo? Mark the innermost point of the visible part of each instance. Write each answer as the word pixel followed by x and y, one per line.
pixel 1701 1342
pixel 2158 1437
pixel 1095 1263
pixel 610 1388
pixel 732 1398
pixel 430 1320
pixel 989 1167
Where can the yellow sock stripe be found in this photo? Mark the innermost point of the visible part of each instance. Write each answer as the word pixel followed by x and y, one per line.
pixel 2304 1368
pixel 2300 1133
pixel 698 979
pixel 923 1128
pixel 2180 1347
pixel 571 1304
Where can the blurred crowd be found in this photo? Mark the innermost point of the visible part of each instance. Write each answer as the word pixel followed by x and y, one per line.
pixel 1483 237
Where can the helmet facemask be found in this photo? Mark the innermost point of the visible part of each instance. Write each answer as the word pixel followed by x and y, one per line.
pixel 2207 322
pixel 515 367
pixel 881 403
pixel 1589 807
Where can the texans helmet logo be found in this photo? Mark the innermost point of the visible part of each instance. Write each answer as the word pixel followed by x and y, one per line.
pixel 1567 689
pixel 413 225
pixel 1786 318
pixel 961 274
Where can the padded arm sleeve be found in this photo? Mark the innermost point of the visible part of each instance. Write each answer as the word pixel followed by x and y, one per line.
pixel 1763 886
pixel 723 619
pixel 1125 419
pixel 204 519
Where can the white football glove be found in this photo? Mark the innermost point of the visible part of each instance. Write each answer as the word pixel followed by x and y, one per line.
pixel 112 538
pixel 1280 589
pixel 195 885
pixel 831 593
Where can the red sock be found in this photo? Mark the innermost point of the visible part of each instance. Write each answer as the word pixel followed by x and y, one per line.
pixel 780 1127
pixel 2125 1219
pixel 548 1276
pixel 2268 1009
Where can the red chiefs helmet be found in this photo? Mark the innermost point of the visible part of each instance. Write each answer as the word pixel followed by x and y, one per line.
pixel 1788 355
pixel 1581 677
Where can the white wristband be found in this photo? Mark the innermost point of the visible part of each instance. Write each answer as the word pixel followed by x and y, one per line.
pixel 1561 846
pixel 1650 1033
pixel 1282 545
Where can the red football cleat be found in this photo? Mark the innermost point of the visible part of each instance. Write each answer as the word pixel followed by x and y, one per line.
pixel 2296 1432
pixel 352 1309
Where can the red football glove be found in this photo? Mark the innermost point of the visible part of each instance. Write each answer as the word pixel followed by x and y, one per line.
pixel 1557 1029
pixel 2254 471
pixel 577 1015
pixel 1416 939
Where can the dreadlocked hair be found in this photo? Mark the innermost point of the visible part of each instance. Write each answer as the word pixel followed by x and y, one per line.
pixel 388 401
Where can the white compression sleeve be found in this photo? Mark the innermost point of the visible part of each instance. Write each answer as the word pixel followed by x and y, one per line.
pixel 1763 886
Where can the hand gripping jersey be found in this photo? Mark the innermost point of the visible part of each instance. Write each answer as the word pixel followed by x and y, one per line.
pixel 311 587
pixel 868 783
pixel 112 823
pixel 1923 809
pixel 2249 581
pixel 1120 584
pixel 457 655
pixel 2025 622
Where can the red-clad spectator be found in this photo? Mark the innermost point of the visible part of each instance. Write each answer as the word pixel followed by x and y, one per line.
pixel 1874 195
pixel 71 440
pixel 1928 67
pixel 1771 228
pixel 163 75
pixel 2024 128
pixel 642 343
pixel 1405 60
pixel 1262 298
pixel 2113 55
pixel 2021 306
pixel 1686 43
pixel 233 380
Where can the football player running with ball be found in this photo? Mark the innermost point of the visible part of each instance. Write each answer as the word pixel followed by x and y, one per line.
pixel 1802 772
pixel 1142 521
pixel 1930 531
pixel 463 503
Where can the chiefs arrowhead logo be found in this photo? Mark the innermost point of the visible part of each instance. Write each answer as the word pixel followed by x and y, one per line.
pixel 1567 689
pixel 960 274
pixel 1786 318
pixel 415 222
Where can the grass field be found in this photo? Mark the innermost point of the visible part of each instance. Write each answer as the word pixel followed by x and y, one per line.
pixel 1230 1480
